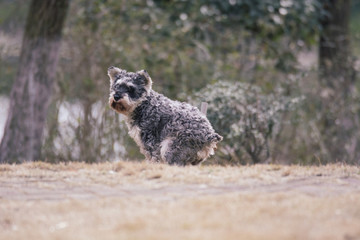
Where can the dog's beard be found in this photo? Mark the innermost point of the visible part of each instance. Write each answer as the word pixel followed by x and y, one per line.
pixel 125 105
pixel 118 106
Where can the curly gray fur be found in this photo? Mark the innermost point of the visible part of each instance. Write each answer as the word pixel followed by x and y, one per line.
pixel 165 130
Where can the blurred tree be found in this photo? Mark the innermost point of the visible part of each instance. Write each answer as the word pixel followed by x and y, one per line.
pixel 335 59
pixel 337 78
pixel 184 45
pixel 273 25
pixel 32 89
pixel 12 20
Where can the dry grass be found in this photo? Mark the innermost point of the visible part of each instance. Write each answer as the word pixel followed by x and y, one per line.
pixel 128 200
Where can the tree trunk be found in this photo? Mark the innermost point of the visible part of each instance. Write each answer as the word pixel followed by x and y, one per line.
pixel 337 76
pixel 31 93
pixel 335 59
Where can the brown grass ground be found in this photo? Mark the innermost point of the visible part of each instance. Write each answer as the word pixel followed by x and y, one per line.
pixel 128 200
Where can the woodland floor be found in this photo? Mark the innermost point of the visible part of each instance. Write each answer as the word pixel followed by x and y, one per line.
pixel 138 200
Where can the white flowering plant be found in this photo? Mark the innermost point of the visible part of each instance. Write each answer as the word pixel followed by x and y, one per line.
pixel 245 116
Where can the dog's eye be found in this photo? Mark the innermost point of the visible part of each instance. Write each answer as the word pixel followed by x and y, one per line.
pixel 138 80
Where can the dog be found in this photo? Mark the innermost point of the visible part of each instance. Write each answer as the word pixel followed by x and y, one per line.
pixel 166 131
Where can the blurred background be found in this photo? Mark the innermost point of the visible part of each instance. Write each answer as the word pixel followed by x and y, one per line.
pixel 280 76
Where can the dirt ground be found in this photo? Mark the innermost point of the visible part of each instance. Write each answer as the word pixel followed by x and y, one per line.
pixel 129 200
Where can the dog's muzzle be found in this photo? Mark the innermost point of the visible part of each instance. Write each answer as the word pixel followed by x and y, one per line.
pixel 119 102
pixel 117 97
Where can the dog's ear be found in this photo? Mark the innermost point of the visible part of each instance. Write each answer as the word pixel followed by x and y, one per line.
pixel 148 81
pixel 113 73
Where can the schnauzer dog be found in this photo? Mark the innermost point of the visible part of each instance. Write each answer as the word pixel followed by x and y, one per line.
pixel 165 130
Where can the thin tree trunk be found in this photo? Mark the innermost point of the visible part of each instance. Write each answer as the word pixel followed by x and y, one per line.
pixel 337 76
pixel 335 59
pixel 31 93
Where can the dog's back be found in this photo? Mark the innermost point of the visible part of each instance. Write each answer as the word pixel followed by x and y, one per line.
pixel 169 128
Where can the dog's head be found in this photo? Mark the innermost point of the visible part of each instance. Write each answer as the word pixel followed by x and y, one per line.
pixel 127 89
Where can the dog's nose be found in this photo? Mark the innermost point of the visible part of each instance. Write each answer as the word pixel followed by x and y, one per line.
pixel 117 97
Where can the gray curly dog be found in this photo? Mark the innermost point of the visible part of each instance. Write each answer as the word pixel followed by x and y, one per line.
pixel 165 130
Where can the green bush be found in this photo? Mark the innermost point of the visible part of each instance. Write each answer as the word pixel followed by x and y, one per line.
pixel 245 117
